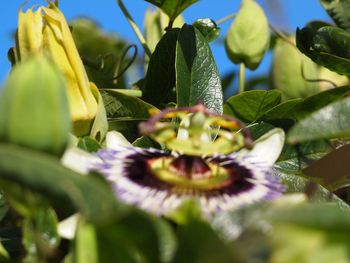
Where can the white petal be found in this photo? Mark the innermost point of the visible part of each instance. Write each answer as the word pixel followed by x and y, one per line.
pixel 267 148
pixel 115 140
pixel 79 160
pixel 68 226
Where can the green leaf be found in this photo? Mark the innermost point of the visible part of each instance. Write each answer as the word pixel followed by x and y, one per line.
pixel 3 206
pixel 146 142
pixel 318 101
pixel 208 28
pixel 295 158
pixel 45 175
pixel 197 77
pixel 322 228
pixel 3 254
pixel 160 77
pixel 327 46
pixel 128 127
pixel 100 125
pixel 251 105
pixel 281 111
pixel 329 122
pixel 172 8
pixel 317 245
pixel 297 109
pixel 138 237
pixel 40 236
pixel 338 10
pixel 85 248
pixel 89 144
pixel 199 243
pixel 288 67
pixel 121 106
pixel 319 194
pixel 248 38
pixel 322 216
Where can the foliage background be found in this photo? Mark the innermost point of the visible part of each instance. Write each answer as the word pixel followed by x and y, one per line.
pixel 106 13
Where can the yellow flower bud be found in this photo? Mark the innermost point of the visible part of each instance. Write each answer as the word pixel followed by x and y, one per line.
pixel 46 31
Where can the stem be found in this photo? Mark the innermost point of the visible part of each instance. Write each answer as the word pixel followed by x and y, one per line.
pixel 281 35
pixel 241 77
pixel 135 28
pixel 225 18
pixel 129 92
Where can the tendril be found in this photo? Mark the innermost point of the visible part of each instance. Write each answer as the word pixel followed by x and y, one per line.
pixel 119 72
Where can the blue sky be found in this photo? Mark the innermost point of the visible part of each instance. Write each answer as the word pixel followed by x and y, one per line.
pixel 295 13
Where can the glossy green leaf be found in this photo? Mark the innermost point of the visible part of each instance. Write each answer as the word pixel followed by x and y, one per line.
pixel 297 109
pixel 248 37
pixel 197 76
pixel 160 76
pixel 251 105
pixel 327 46
pixel 288 68
pixel 208 28
pixel 45 175
pixel 331 121
pixel 281 111
pixel 338 10
pixel 318 194
pixel 295 158
pixel 121 106
pixel 172 7
pixel 318 101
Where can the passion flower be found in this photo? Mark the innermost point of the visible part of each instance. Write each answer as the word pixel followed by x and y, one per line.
pixel 160 181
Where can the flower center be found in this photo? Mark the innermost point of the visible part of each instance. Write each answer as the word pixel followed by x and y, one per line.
pixel 190 172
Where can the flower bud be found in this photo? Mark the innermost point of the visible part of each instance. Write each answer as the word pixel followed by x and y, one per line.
pixel 248 37
pixel 34 109
pixel 46 31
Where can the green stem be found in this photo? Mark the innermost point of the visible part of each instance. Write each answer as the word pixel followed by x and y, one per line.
pixel 224 19
pixel 241 77
pixel 135 28
pixel 281 35
pixel 129 92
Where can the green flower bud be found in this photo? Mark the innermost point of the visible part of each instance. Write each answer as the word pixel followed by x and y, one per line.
pixel 248 37
pixel 289 65
pixel 34 109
